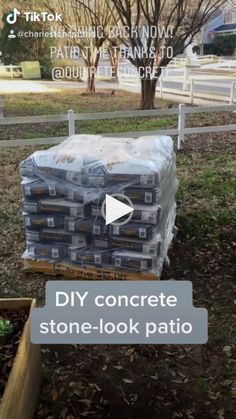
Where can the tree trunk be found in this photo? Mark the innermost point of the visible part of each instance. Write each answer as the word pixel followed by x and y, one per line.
pixel 92 66
pixel 114 72
pixel 148 93
pixel 114 60
pixel 90 82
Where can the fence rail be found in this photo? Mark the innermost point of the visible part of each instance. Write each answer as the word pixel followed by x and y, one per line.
pixel 10 70
pixel 39 119
pixel 190 83
pixel 230 86
pixel 182 111
pixel 184 60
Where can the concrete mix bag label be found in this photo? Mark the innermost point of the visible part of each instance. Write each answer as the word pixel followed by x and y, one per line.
pixel 63 191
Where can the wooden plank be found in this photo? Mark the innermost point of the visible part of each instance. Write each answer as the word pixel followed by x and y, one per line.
pixel 34 142
pixel 21 392
pixel 136 134
pixel 37 119
pixel 15 304
pixel 58 140
pixel 122 114
pixel 205 130
pixel 212 84
pixel 209 109
pixel 87 116
pixel 72 271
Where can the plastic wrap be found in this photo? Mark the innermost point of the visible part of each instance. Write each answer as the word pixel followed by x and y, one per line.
pixel 64 188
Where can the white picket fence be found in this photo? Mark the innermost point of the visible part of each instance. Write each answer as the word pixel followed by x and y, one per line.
pixel 178 61
pixel 10 71
pixel 230 86
pixel 230 64
pixel 190 89
pixel 71 117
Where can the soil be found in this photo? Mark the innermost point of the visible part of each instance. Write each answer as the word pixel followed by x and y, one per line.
pixel 9 346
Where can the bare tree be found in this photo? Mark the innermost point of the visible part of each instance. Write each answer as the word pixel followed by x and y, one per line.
pixel 176 22
pixel 114 48
pixel 93 17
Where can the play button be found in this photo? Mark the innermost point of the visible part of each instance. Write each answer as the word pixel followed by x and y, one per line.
pixel 113 209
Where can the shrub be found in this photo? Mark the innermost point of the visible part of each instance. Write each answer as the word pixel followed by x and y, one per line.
pixel 226 44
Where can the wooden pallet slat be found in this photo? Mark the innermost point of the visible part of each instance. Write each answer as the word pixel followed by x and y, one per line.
pixel 21 391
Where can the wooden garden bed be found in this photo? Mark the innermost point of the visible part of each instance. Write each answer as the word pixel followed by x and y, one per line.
pixel 21 390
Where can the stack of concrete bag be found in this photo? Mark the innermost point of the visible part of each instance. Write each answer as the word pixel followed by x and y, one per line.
pixel 63 191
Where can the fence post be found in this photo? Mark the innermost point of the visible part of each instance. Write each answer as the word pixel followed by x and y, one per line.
pixel 11 71
pixel 71 122
pixel 181 126
pixel 1 107
pixel 192 92
pixel 185 81
pixel 232 94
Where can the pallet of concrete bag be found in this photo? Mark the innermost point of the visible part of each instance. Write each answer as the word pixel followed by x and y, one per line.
pixel 63 191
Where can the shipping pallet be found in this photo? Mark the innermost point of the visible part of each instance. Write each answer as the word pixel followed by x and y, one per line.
pixel 73 271
pixel 22 388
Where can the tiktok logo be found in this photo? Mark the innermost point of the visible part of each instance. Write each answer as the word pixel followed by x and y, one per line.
pixel 12 17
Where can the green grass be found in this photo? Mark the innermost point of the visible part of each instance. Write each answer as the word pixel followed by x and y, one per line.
pixel 59 103
pixel 207 195
pixel 117 125
pixel 86 127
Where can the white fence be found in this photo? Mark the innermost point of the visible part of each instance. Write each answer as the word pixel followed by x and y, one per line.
pixel 10 71
pixel 189 86
pixel 184 60
pixel 182 111
pixel 230 86
pixel 190 89
pixel 230 64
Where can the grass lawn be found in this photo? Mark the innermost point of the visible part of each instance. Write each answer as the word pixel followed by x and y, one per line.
pixel 59 103
pixel 56 103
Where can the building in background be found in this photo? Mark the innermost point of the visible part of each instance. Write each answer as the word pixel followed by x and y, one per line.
pixel 222 23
